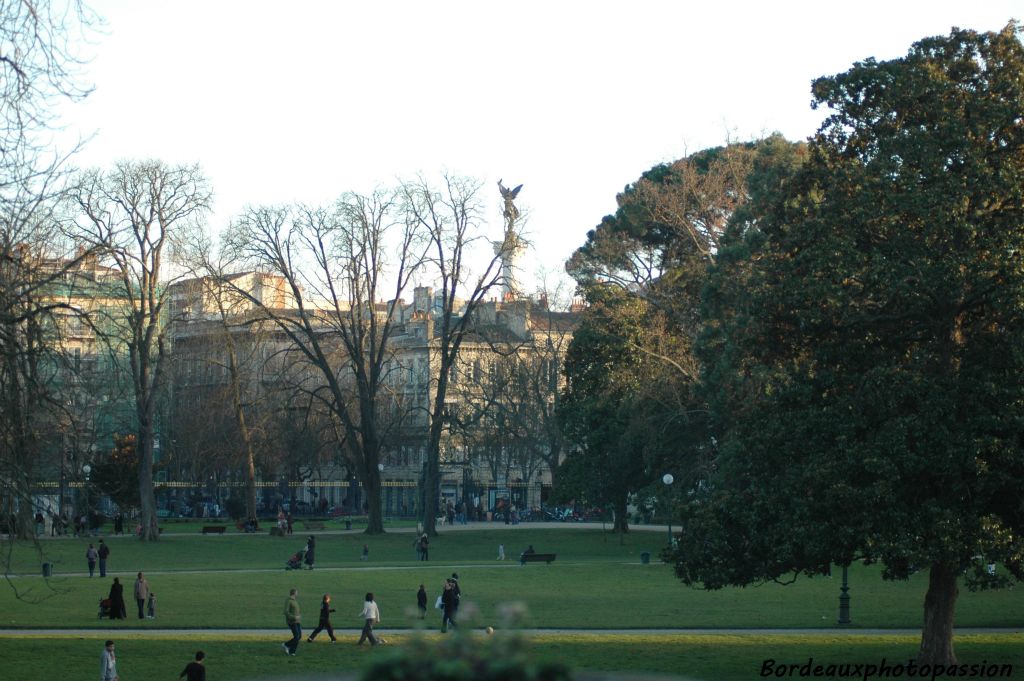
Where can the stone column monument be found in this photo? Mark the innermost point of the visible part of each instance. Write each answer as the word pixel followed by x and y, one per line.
pixel 511 246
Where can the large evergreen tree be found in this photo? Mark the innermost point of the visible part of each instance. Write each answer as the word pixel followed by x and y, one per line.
pixel 865 340
pixel 629 409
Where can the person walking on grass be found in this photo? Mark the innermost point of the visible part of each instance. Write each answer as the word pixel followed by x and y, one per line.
pixel 195 671
pixel 310 551
pixel 325 620
pixel 293 619
pixel 421 601
pixel 457 592
pixel 116 596
pixel 424 547
pixel 90 557
pixel 448 605
pixel 108 663
pixel 103 553
pixel 141 594
pixel 371 616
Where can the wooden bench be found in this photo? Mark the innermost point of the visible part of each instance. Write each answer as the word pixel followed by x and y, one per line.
pixel 314 525
pixel 214 529
pixel 276 531
pixel 536 558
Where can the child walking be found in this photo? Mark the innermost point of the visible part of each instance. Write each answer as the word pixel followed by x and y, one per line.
pixel 421 601
pixel 325 620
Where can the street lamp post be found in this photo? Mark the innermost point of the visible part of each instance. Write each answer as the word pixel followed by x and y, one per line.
pixel 668 480
pixel 87 469
pixel 844 599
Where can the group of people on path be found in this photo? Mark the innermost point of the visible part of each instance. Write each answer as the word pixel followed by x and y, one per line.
pixel 447 602
pixel 94 555
pixel 293 618
pixel 422 546
pixel 145 599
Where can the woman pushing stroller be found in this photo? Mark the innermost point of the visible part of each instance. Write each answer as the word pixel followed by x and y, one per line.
pixel 306 554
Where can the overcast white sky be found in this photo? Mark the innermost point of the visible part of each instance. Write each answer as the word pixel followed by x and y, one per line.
pixel 302 100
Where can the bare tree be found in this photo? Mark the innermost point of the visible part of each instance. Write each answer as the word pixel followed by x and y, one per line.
pixel 133 214
pixel 36 70
pixel 235 329
pixel 337 264
pixel 452 221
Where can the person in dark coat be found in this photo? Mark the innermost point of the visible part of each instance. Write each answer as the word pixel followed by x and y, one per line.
pixel 449 603
pixel 195 671
pixel 104 553
pixel 421 601
pixel 457 591
pixel 325 620
pixel 310 550
pixel 117 610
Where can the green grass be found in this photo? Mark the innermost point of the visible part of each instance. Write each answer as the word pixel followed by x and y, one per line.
pixel 595 583
pixel 238 581
pixel 184 548
pixel 705 657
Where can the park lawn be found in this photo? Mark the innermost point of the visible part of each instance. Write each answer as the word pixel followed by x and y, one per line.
pixel 697 657
pixel 238 581
pixel 189 550
pixel 595 595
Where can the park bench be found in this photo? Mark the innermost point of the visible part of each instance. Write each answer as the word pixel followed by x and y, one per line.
pixel 214 529
pixel 536 558
pixel 314 525
pixel 276 531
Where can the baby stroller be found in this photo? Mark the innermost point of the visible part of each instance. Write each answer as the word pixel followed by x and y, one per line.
pixel 104 608
pixel 295 562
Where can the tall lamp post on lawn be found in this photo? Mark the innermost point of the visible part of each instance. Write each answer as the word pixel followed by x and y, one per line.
pixel 844 599
pixel 87 469
pixel 668 480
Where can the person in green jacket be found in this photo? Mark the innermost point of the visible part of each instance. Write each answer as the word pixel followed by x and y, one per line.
pixel 294 621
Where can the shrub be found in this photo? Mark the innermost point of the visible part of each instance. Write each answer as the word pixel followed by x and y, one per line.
pixel 465 656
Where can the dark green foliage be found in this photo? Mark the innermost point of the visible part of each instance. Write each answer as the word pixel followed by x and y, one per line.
pixel 630 404
pixel 118 476
pixel 619 407
pixel 865 340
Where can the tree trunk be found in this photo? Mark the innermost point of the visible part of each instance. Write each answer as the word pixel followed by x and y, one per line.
pixel 147 501
pixel 243 426
pixel 374 514
pixel 621 522
pixel 431 484
pixel 939 607
pixel 250 485
pixel 250 456
pixel 24 524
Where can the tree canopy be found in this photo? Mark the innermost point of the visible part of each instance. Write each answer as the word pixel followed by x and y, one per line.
pixel 863 339
pixel 630 404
